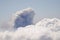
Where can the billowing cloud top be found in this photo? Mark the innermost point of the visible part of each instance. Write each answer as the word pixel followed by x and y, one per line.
pixel 46 29
pixel 23 18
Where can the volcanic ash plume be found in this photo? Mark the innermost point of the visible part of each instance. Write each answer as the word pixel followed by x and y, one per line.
pixel 23 18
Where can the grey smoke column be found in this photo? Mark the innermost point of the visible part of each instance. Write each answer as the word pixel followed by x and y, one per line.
pixel 24 18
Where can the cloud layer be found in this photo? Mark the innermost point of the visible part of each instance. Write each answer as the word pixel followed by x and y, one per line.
pixel 46 29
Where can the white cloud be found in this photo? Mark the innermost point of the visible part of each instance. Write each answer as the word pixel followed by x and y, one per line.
pixel 46 29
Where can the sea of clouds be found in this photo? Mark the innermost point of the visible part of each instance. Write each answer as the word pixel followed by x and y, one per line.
pixel 21 27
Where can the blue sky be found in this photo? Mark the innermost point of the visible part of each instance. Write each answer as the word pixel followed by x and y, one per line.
pixel 42 8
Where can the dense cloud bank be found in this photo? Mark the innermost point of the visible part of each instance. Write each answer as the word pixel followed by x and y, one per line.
pixel 46 29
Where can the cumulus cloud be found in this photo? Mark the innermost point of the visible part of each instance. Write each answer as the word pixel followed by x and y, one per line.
pixel 46 29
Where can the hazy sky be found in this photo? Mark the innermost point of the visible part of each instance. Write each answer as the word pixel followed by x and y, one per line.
pixel 42 8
